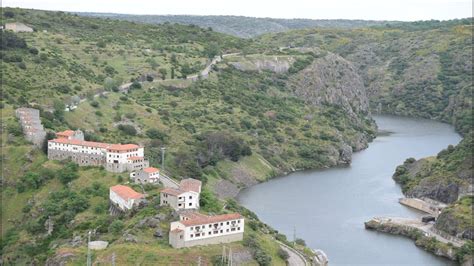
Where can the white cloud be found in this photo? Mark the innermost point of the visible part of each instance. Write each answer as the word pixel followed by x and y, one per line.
pixel 317 9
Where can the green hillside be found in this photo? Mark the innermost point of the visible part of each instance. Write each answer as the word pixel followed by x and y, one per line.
pixel 231 130
pixel 427 61
pixel 240 26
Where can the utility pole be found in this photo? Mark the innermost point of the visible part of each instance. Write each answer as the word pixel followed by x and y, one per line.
pixel 113 259
pixel 223 256
pixel 199 261
pixel 230 257
pixel 89 258
pixel 163 158
pixel 294 235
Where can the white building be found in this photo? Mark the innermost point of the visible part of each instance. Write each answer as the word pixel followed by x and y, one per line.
pixel 115 158
pixel 183 198
pixel 147 175
pixel 124 197
pixel 198 229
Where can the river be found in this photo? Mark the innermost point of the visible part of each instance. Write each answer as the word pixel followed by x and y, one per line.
pixel 328 208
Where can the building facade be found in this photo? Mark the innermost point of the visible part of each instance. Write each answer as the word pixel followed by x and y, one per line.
pixel 198 229
pixel 183 198
pixel 115 158
pixel 30 122
pixel 147 175
pixel 124 197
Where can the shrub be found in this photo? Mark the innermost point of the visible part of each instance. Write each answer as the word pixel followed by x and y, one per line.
pixel 154 133
pixel 94 104
pixel 283 254
pixel 33 50
pixel 116 227
pixel 128 129
pixel 300 242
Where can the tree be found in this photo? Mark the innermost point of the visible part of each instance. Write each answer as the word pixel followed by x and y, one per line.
pixel 212 50
pixel 163 73
pixel 283 254
pixel 68 173
pixel 154 133
pixel 172 73
pixel 116 227
pixel 128 129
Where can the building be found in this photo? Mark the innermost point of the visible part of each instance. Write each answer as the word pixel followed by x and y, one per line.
pixel 115 158
pixel 198 229
pixel 18 27
pixel 185 197
pixel 124 197
pixel 147 175
pixel 31 125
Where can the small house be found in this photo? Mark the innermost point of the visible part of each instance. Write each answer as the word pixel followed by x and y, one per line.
pixel 124 197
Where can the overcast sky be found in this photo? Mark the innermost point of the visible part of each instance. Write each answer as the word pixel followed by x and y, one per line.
pixel 407 10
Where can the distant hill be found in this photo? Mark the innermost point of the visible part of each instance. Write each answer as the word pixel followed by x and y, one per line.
pixel 245 27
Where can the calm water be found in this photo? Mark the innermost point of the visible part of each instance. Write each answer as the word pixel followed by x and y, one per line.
pixel 328 207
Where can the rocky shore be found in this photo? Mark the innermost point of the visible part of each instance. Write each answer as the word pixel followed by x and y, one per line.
pixel 425 236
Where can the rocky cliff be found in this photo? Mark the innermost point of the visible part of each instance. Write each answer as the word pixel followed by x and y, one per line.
pixel 448 178
pixel 332 80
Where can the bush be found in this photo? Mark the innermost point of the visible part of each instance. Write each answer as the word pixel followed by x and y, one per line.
pixel 283 254
pixel 154 133
pixel 262 258
pixel 128 129
pixel 300 242
pixel 68 173
pixel 116 227
pixel 94 104
pixel 33 51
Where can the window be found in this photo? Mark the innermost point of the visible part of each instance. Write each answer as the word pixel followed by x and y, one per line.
pixel 179 205
pixel 238 228
pixel 227 223
pixel 181 237
pixel 227 230
pixel 190 204
pixel 210 226
pixel 190 197
pixel 222 231
pixel 198 235
pixel 191 235
pixel 233 229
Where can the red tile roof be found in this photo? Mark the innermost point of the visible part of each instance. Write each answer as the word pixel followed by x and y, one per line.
pixel 117 147
pixel 151 170
pixel 126 193
pixel 135 158
pixel 123 147
pixel 190 184
pixel 173 191
pixel 176 230
pixel 81 143
pixel 211 219
pixel 65 133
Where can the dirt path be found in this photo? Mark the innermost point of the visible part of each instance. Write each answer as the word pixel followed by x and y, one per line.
pixel 204 73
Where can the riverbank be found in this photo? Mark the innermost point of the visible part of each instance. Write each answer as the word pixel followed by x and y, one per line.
pixel 424 234
pixel 355 193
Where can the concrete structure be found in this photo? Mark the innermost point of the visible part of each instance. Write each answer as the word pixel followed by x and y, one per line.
pixel 147 175
pixel 183 198
pixel 31 125
pixel 98 245
pixel 198 229
pixel 115 158
pixel 18 27
pixel 124 197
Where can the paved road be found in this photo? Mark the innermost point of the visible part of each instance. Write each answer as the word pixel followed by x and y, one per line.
pixel 427 228
pixel 295 258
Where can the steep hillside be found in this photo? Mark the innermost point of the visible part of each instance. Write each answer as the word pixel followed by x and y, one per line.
pixel 448 178
pixel 232 129
pixel 413 69
pixel 245 27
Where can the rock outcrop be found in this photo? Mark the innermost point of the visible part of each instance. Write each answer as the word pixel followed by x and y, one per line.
pixel 332 80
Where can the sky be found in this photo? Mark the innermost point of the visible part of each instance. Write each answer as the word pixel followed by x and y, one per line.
pixel 405 10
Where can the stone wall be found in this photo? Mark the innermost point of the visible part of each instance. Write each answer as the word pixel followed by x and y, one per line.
pixel 81 159
pixel 176 242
